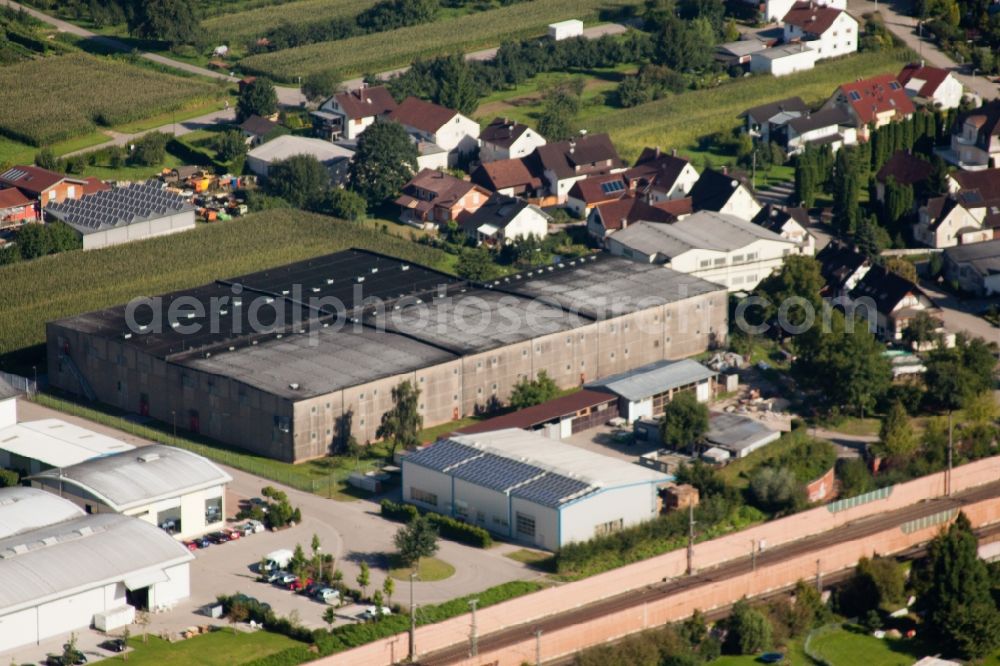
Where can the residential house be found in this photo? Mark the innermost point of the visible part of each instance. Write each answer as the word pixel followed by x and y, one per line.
pixel 722 192
pixel 565 162
pixel 720 248
pixel 903 168
pixel 46 186
pixel 789 223
pixel 255 128
pixel 975 141
pixel 976 267
pixel 877 101
pixel 764 120
pixel 659 177
pixel 783 60
pixel 15 209
pixel 933 86
pixel 589 192
pixel 505 139
pixel 607 218
pixel 826 127
pixel 434 198
pixel 347 114
pixel 889 301
pixel 519 177
pixel 776 10
pixel 842 266
pixel 502 220
pixel 447 130
pixel 829 31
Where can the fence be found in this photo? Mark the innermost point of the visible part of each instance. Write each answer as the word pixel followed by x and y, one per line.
pixel 29 386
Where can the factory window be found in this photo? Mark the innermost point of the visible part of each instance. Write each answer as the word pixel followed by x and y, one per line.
pixel 418 495
pixel 525 525
pixel 608 527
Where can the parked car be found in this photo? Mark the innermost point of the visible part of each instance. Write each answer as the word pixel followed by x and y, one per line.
pixel 300 585
pixel 191 545
pixel 286 579
pixel 371 612
pixel 113 645
pixel 327 595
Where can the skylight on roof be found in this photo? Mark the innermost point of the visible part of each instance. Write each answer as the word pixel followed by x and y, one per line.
pixel 612 187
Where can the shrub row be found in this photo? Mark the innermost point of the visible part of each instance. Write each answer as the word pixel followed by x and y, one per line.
pixel 449 528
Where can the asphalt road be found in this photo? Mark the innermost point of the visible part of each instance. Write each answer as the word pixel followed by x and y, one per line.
pixel 636 598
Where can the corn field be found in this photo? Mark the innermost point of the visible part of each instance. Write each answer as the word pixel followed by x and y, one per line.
pixel 239 28
pixel 61 97
pixel 66 284
pixel 678 121
pixel 397 48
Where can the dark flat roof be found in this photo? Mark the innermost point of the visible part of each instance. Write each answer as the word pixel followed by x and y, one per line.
pixel 547 411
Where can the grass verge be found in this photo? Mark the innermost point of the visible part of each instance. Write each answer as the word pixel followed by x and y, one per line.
pixel 429 569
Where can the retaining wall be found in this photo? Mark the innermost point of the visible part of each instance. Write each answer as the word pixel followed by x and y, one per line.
pixel 559 599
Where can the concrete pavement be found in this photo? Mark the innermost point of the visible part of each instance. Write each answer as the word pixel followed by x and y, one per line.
pixel 905 27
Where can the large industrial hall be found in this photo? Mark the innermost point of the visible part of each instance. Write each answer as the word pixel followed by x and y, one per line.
pixel 342 330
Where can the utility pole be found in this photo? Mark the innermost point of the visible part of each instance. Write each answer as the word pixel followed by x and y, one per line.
pixel 538 647
pixel 473 636
pixel 947 477
pixel 690 568
pixel 413 621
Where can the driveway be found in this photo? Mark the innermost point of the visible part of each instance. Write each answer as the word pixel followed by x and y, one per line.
pixel 351 531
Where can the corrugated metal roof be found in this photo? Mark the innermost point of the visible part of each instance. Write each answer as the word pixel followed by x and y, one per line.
pixel 23 509
pixel 649 380
pixel 130 479
pixel 79 554
pixel 58 443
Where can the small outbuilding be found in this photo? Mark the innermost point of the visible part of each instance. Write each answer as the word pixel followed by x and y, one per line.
pixel 566 29
pixel 528 488
pixel 176 490
pixel 645 391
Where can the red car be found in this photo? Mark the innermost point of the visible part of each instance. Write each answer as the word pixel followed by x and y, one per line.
pixel 298 584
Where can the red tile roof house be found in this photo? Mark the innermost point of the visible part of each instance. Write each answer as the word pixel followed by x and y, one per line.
pixel 933 86
pixel 587 193
pixel 565 162
pixel 659 176
pixel 514 178
pixel 607 218
pixel 879 100
pixel 504 139
pixel 15 209
pixel 456 136
pixel 46 186
pixel 433 198
pixel 347 114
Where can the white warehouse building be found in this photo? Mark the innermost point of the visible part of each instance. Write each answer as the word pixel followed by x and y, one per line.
pixel 171 488
pixel 63 571
pixel 530 489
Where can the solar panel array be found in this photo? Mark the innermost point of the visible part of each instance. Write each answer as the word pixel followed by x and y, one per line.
pixel 500 473
pixel 119 206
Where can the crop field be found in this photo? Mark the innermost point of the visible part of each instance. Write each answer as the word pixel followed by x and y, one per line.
pixel 51 287
pixel 679 120
pixel 57 98
pixel 238 28
pixel 382 51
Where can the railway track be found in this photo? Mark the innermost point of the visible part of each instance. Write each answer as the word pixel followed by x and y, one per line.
pixel 633 598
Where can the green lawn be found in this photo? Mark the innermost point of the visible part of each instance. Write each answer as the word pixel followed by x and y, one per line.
pixel 219 648
pixel 429 569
